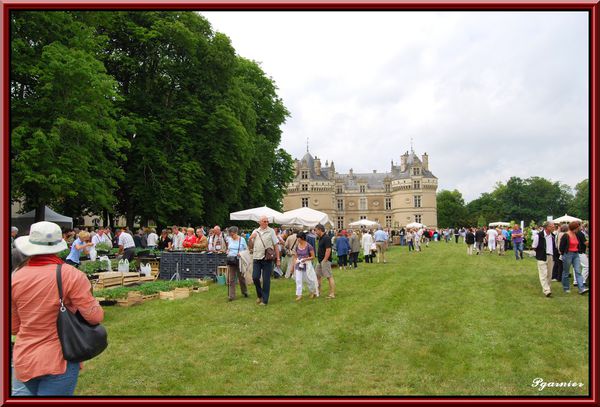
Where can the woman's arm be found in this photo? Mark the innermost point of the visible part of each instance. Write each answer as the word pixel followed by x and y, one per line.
pixel 80 297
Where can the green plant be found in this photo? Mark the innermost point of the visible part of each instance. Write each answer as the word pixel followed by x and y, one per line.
pixel 103 247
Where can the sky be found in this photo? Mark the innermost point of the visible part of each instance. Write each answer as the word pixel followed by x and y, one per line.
pixel 488 95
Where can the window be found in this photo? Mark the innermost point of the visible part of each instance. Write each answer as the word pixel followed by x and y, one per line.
pixel 339 189
pixel 387 188
pixel 363 189
pixel 304 174
pixel 340 204
pixel 388 221
pixel 416 171
pixel 305 202
pixel 418 218
pixel 416 184
pixel 340 222
pixel 305 187
pixel 362 204
pixel 388 204
pixel 362 217
pixel 417 199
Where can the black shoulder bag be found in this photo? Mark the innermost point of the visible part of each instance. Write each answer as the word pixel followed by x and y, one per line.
pixel 269 251
pixel 79 339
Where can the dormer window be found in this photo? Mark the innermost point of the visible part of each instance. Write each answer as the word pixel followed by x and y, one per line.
pixel 363 189
pixel 416 171
pixel 304 174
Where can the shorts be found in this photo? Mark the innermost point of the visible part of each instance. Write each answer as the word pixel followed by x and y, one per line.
pixel 323 269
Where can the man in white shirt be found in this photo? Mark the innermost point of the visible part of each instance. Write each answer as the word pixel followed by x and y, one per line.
pixel 217 242
pixel 152 239
pixel 178 238
pixel 491 237
pixel 261 239
pixel 101 237
pixel 126 244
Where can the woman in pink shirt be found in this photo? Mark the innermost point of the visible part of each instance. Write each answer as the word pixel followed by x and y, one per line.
pixel 39 366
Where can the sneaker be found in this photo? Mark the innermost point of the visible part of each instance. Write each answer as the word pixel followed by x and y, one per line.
pixel 298 298
pixel 246 295
pixel 554 280
pixel 262 304
pixel 548 295
pixel 259 301
pixel 230 299
pixel 567 291
pixel 585 290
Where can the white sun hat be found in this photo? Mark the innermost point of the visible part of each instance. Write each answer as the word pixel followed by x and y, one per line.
pixel 44 238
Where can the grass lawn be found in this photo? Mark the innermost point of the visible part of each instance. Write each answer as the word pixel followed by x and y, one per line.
pixel 431 323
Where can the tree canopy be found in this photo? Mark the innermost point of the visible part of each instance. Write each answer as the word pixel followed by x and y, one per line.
pixel 150 115
pixel 530 199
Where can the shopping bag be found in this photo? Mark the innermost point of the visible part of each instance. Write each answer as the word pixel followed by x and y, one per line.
pixel 93 253
pixel 311 277
pixel 146 269
pixel 123 266
pixel 105 259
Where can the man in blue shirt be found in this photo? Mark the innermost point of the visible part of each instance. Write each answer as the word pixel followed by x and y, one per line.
pixel 381 239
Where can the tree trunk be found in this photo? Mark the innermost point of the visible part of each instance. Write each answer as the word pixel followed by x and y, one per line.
pixel 105 221
pixel 40 212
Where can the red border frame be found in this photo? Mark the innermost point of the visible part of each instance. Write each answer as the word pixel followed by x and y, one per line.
pixel 442 5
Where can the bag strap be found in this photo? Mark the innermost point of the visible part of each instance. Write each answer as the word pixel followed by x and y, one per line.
pixel 263 242
pixel 59 284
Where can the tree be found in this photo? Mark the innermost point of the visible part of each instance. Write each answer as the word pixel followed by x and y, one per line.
pixel 64 137
pixel 580 206
pixel 451 209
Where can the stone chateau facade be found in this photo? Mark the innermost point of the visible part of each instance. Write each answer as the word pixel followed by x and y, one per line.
pixel 393 199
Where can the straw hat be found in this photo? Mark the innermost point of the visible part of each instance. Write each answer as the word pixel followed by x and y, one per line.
pixel 44 238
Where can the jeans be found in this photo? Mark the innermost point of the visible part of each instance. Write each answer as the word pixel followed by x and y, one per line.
pixel 568 259
pixel 48 385
pixel 402 240
pixel 518 248
pixel 354 259
pixel 72 263
pixel 342 260
pixel 264 268
pixel 411 246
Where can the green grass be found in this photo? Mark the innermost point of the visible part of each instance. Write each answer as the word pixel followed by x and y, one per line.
pixel 430 323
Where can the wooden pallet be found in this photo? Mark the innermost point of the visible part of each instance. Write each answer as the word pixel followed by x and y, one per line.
pixel 176 294
pixel 131 278
pixel 199 289
pixel 146 298
pixel 133 298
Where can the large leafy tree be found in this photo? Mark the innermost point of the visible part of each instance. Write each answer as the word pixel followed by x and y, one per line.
pixel 580 206
pixel 451 210
pixel 65 144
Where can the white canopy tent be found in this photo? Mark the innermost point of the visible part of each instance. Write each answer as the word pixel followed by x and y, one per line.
pixel 24 221
pixel 303 217
pixel 499 224
pixel 566 219
pixel 254 214
pixel 416 225
pixel 363 222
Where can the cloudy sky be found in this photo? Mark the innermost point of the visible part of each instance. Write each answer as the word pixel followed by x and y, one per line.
pixel 487 95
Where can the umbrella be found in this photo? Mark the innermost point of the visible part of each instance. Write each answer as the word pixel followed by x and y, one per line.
pixel 566 219
pixel 499 224
pixel 255 214
pixel 304 217
pixel 416 225
pixel 363 222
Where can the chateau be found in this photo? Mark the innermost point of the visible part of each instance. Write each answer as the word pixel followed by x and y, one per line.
pixel 393 199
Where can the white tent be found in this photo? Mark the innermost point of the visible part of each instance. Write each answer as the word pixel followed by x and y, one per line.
pixel 566 219
pixel 303 217
pixel 363 222
pixel 255 214
pixel 24 221
pixel 416 225
pixel 499 224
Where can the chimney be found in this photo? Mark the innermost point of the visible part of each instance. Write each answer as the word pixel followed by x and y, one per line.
pixel 297 167
pixel 317 166
pixel 374 171
pixel 332 170
pixel 403 160
pixel 425 160
pixel 351 173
